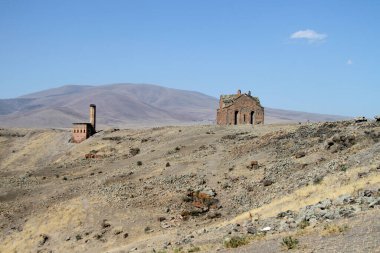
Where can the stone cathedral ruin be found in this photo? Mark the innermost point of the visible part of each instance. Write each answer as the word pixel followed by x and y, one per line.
pixel 239 109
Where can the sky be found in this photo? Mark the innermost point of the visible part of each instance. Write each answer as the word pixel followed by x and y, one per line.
pixel 314 56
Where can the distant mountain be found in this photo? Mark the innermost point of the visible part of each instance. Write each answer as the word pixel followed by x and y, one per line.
pixel 125 105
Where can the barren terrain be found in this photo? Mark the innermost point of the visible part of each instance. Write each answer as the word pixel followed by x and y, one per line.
pixel 301 187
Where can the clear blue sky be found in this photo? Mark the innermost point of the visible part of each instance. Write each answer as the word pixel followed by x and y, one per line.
pixel 316 56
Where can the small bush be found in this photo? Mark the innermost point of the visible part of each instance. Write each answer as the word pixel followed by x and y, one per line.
pixel 343 168
pixel 147 229
pixel 139 163
pixel 178 250
pixel 303 224
pixel 235 241
pixel 289 242
pixel 329 229
pixel 194 249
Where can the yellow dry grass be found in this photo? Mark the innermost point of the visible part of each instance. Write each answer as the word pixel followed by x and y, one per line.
pixel 64 216
pixel 37 151
pixel 331 187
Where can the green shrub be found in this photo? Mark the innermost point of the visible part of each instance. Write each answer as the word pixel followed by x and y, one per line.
pixel 329 229
pixel 139 163
pixel 289 242
pixel 235 241
pixel 194 249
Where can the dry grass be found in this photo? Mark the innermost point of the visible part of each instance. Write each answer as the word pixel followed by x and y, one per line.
pixel 333 229
pixel 64 216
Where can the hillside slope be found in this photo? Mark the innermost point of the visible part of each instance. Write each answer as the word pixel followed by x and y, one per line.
pixel 180 189
pixel 125 105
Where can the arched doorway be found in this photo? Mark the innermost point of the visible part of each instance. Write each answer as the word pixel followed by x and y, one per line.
pixel 236 117
pixel 252 118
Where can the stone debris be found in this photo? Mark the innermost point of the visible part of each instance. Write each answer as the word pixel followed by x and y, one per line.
pixel 360 119
pixel 339 142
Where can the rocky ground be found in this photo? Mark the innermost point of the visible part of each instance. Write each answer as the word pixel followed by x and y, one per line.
pixel 307 188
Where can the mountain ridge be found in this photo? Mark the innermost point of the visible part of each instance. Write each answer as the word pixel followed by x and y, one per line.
pixel 126 105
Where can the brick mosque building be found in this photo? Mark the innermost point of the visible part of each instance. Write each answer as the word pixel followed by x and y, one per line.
pixel 83 131
pixel 239 109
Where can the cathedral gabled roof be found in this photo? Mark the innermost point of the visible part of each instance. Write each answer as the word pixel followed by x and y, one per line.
pixel 228 100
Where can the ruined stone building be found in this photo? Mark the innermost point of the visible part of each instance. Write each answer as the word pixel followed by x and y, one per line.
pixel 239 109
pixel 82 131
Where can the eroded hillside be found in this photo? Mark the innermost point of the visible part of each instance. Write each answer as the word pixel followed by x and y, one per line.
pixel 187 189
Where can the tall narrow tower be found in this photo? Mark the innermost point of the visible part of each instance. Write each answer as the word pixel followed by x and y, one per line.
pixel 93 116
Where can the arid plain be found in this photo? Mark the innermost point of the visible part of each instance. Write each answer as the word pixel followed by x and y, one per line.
pixel 301 187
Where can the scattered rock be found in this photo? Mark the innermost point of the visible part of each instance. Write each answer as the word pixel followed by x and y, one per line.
pixel 253 165
pixel 339 142
pixel 148 230
pixel 161 219
pixel 118 231
pixel 374 203
pixel 134 151
pixel 43 240
pixel 265 229
pixel 267 182
pixel 214 215
pixel 165 225
pixel 251 230
pixel 300 154
pixel 105 224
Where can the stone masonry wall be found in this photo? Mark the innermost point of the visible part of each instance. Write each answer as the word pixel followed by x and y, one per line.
pixel 80 133
pixel 243 107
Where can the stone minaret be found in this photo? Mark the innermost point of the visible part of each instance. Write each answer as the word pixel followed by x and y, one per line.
pixel 93 116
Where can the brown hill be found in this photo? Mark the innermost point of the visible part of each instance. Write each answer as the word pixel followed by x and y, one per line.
pixel 125 105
